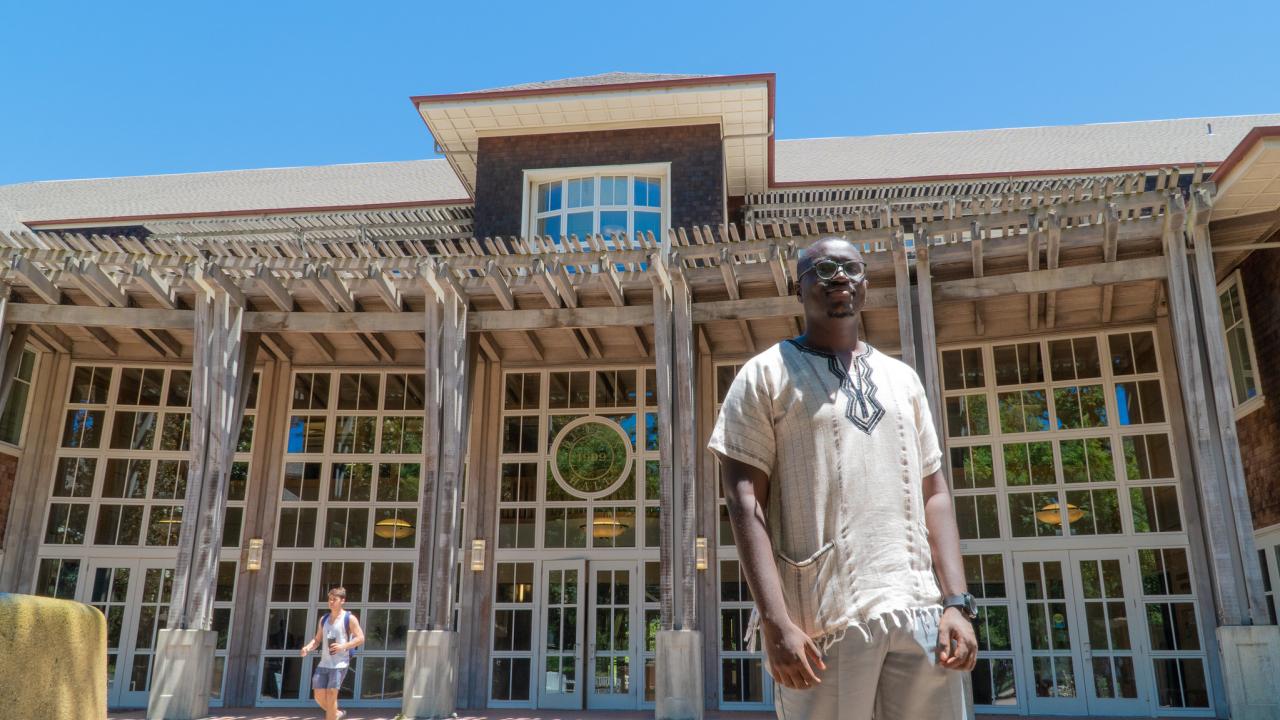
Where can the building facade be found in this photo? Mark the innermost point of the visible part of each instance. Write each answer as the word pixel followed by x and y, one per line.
pixel 476 391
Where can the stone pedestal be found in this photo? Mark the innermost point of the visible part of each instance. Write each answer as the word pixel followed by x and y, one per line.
pixel 679 668
pixel 430 675
pixel 1251 670
pixel 181 676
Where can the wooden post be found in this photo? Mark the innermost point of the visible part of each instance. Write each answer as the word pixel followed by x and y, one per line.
pixel 222 367
pixel 928 351
pixel 686 457
pixel 444 447
pixel 662 352
pixel 902 287
pixel 1222 410
pixel 1228 587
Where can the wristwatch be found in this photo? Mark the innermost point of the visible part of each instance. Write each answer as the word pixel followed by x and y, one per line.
pixel 968 606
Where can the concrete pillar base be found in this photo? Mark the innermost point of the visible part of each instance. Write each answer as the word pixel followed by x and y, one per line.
pixel 430 675
pixel 181 676
pixel 679 667
pixel 1251 670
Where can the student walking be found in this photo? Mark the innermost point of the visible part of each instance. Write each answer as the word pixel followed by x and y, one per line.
pixel 337 633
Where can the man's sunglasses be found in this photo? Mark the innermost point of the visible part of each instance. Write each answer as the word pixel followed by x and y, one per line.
pixel 826 270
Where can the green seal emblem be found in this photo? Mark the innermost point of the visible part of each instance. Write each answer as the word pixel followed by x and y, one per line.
pixel 592 457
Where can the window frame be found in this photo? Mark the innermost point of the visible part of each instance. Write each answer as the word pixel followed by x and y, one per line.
pixel 26 410
pixel 1248 406
pixel 533 177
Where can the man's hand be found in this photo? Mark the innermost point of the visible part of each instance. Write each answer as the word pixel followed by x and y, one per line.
pixel 957 645
pixel 792 655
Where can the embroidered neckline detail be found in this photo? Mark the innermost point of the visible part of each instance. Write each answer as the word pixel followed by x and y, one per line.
pixel 863 409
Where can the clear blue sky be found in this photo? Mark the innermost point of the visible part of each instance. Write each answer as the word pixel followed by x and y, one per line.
pixel 96 89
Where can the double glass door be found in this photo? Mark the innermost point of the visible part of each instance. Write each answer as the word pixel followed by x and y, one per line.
pixel 589 648
pixel 1082 629
pixel 134 596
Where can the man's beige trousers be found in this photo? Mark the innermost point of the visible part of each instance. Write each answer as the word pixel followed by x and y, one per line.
pixel 890 676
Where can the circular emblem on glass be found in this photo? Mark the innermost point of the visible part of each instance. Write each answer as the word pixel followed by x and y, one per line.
pixel 591 457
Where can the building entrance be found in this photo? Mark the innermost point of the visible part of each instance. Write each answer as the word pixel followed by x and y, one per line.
pixel 134 596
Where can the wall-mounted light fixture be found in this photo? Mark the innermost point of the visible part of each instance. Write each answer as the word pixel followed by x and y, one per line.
pixel 253 555
pixel 700 552
pixel 477 555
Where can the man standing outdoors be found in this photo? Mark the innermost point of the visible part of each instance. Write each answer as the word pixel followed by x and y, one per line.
pixel 336 634
pixel 842 516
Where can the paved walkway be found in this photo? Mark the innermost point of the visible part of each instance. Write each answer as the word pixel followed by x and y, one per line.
pixel 390 714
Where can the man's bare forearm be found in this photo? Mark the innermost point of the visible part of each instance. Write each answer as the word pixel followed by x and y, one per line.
pixel 944 537
pixel 750 533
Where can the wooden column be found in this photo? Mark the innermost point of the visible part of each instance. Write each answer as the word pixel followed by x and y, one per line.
pixel 34 479
pixel 902 286
pixel 1230 595
pixel 482 510
pixel 686 456
pixel 253 589
pixel 662 355
pixel 1222 410
pixel 444 447
pixel 222 367
pixel 927 353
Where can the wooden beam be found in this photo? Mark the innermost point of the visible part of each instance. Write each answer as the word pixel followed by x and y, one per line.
pixel 168 344
pixel 1054 234
pixel 104 340
pixel 322 346
pixel 501 290
pixel 386 290
pixel 487 347
pixel 329 289
pixel 1033 265
pixel 779 269
pixel 268 284
pixel 156 286
pixel 210 278
pixel 53 339
pixel 1110 247
pixel 275 343
pixel 97 284
pixel 930 376
pixel 902 292
pixel 979 269
pixel 1063 278
pixel 35 280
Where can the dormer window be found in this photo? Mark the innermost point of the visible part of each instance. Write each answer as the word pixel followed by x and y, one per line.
pixel 609 201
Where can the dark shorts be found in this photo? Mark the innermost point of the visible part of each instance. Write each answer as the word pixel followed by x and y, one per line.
pixel 327 678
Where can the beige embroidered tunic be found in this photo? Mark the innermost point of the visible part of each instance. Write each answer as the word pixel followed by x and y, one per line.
pixel 845 453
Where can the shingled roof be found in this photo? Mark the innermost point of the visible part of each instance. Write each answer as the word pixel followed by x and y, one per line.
pixel 1014 151
pixel 413 182
pixel 879 158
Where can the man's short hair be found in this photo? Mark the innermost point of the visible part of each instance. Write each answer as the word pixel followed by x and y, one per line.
pixel 338 591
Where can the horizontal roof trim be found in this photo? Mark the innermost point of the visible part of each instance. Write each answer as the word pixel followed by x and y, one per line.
pixel 1117 169
pixel 604 87
pixel 243 213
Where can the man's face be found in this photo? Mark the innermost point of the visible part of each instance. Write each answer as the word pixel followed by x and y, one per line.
pixel 336 602
pixel 839 296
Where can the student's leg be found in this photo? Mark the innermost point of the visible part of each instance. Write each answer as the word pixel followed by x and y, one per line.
pixel 914 687
pixel 331 704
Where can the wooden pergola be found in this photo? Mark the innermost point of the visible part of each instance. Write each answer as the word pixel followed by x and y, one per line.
pixel 419 290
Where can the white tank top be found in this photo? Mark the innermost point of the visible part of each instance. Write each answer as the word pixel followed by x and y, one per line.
pixel 334 628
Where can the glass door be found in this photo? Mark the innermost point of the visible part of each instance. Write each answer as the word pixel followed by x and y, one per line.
pixel 109 591
pixel 1051 636
pixel 611 650
pixel 1108 599
pixel 562 628
pixel 152 611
